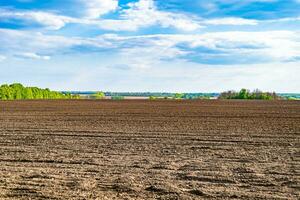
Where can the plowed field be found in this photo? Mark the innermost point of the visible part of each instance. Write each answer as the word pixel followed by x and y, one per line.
pixel 139 149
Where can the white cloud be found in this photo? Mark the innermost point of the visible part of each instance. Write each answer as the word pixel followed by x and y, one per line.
pixel 146 58
pixel 273 45
pixel 2 58
pixel 253 47
pixel 29 55
pixel 287 19
pixel 96 8
pixel 140 14
pixel 269 46
pixel 92 9
pixel 157 62
pixel 49 20
pixel 231 21
pixel 145 13
pixel 144 52
pixel 27 41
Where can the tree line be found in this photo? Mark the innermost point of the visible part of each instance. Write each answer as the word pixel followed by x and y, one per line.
pixel 18 91
pixel 246 94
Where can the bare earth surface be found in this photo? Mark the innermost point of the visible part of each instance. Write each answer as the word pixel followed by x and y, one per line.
pixel 140 149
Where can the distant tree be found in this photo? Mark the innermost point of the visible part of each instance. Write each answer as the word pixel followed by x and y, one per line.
pixel 117 97
pixel 4 92
pixel 152 97
pixel 68 95
pixel 246 94
pixel 178 96
pixel 27 93
pixel 75 96
pixel 99 95
pixel 7 92
pixel 228 95
pixel 18 91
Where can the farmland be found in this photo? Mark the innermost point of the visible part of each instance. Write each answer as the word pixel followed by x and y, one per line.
pixel 141 149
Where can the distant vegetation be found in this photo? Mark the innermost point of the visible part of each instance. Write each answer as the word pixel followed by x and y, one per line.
pixel 163 95
pixel 183 96
pixel 178 96
pixel 291 96
pixel 98 95
pixel 246 94
pixel 117 97
pixel 18 91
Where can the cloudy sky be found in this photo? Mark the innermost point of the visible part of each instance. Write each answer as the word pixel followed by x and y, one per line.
pixel 151 45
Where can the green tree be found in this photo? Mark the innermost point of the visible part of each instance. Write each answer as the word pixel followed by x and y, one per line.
pixel 99 95
pixel 243 94
pixel 246 94
pixel 152 98
pixel 18 91
pixel 7 92
pixel 27 94
pixel 178 96
pixel 3 91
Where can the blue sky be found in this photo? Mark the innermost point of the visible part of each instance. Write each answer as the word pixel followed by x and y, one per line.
pixel 151 45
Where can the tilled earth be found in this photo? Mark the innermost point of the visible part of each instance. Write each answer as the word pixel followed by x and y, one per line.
pixel 141 149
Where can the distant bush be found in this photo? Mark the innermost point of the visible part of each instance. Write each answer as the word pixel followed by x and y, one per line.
pixel 293 98
pixel 98 95
pixel 246 94
pixel 152 98
pixel 117 97
pixel 178 96
pixel 18 91
pixel 204 97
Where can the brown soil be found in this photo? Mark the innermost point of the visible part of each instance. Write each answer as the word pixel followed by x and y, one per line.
pixel 149 149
